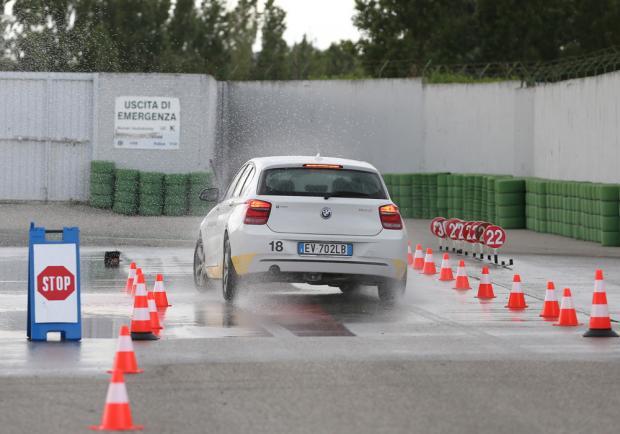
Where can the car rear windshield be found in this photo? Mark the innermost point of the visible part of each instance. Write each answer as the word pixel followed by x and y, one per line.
pixel 301 181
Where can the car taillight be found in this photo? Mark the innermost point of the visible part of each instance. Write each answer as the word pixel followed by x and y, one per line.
pixel 390 217
pixel 257 213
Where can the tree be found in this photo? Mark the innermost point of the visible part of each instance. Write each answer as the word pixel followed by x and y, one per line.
pixel 399 37
pixel 342 60
pixel 44 41
pixel 213 38
pixel 303 63
pixel 271 61
pixel 243 25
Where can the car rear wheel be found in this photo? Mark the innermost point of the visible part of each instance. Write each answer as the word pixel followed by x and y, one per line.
pixel 229 276
pixel 392 290
pixel 201 281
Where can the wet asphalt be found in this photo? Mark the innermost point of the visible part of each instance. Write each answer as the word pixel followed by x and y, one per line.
pixel 297 358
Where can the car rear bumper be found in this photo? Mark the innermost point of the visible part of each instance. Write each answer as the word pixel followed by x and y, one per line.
pixel 383 255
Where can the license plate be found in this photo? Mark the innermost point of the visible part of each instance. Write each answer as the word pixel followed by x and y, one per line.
pixel 325 249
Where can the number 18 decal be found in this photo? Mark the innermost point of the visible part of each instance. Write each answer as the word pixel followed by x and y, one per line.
pixel 276 246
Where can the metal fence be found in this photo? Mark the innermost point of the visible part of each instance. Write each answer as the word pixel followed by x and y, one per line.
pixel 530 74
pixel 45 135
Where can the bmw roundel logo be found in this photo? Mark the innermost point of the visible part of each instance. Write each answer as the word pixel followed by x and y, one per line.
pixel 326 213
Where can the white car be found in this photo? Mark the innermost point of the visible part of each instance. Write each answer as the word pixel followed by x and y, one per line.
pixel 317 220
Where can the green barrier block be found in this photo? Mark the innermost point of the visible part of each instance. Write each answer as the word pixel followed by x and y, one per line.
pixel 126 197
pixel 610 224
pixel 127 175
pixel 405 179
pixel 509 186
pixel 102 190
pixel 512 222
pixel 125 208
pixel 510 211
pixel 610 238
pixel 405 202
pixel 103 202
pixel 511 199
pixel 102 178
pixel 102 167
pixel 406 190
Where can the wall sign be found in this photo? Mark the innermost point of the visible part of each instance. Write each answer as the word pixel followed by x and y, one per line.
pixel 147 122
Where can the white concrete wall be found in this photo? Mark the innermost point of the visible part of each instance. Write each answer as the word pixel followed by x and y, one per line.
pixel 471 128
pixel 577 129
pixel 380 121
pixel 198 100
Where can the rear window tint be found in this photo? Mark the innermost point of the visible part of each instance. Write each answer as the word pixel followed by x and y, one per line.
pixel 299 181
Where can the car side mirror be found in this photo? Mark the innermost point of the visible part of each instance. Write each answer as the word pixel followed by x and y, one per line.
pixel 209 194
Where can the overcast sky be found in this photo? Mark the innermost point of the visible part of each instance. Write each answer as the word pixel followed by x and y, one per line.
pixel 324 21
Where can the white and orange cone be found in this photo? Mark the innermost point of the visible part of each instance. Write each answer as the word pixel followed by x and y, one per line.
pixel 159 291
pixel 462 281
pixel 551 308
pixel 131 277
pixel 516 300
pixel 116 412
pixel 125 358
pixel 568 314
pixel 141 329
pixel 445 272
pixel 418 258
pixel 155 325
pixel 485 289
pixel 429 263
pixel 600 323
pixel 135 281
pixel 409 254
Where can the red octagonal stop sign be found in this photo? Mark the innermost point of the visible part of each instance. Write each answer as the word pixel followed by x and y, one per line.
pixel 55 283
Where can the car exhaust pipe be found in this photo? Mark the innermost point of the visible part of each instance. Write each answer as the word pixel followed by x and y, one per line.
pixel 313 277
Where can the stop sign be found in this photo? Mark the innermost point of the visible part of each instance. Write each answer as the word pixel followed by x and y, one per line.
pixel 55 282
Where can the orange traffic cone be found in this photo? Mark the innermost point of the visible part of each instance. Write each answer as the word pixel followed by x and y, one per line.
pixel 135 281
pixel 429 263
pixel 155 325
pixel 600 324
pixel 409 254
pixel 131 277
pixel 116 413
pixel 141 329
pixel 551 308
pixel 445 272
pixel 418 258
pixel 125 358
pixel 462 281
pixel 568 315
pixel 485 289
pixel 161 299
pixel 516 299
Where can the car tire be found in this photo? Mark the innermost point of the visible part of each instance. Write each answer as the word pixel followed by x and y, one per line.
pixel 392 290
pixel 201 281
pixel 229 276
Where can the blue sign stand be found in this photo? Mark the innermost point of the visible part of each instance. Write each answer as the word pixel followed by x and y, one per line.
pixel 68 330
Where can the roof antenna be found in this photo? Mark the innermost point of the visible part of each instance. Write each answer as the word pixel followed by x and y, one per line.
pixel 318 156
